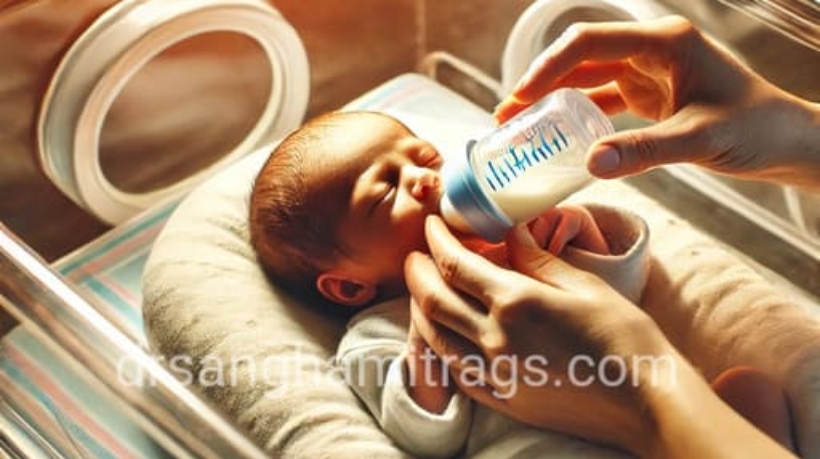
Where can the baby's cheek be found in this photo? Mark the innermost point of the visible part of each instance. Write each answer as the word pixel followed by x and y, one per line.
pixel 411 232
pixel 412 212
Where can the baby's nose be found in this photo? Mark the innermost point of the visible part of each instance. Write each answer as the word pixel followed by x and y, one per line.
pixel 425 183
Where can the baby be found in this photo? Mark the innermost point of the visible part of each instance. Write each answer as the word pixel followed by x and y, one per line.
pixel 334 212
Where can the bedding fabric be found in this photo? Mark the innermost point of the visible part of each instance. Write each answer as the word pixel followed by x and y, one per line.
pixel 266 360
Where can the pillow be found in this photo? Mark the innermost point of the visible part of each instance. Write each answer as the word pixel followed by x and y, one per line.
pixel 266 360
pixel 259 355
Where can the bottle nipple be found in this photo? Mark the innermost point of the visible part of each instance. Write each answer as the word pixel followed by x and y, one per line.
pixel 452 217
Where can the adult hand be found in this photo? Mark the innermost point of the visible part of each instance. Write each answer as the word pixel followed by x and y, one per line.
pixel 712 110
pixel 537 344
pixel 530 343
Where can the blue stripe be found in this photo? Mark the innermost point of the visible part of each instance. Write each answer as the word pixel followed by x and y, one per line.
pixel 98 405
pixel 71 428
pixel 66 266
pixel 119 304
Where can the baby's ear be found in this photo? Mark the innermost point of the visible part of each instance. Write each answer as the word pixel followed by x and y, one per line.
pixel 343 290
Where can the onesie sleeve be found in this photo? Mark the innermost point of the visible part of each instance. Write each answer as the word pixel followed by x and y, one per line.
pixel 372 359
pixel 627 235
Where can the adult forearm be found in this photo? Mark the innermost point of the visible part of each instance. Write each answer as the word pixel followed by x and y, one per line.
pixel 806 143
pixel 793 124
pixel 692 421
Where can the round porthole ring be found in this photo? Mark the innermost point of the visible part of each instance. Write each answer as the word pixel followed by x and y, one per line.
pixel 118 45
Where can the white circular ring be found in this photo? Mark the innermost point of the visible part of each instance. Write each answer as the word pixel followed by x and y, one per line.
pixel 103 60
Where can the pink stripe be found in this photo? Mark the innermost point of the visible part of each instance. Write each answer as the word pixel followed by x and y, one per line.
pixel 115 254
pixel 59 396
pixel 117 288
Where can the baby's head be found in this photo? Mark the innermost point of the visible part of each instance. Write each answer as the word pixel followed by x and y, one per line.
pixel 341 202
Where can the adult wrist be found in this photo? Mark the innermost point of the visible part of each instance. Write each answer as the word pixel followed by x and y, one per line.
pixel 669 404
pixel 660 379
pixel 690 420
pixel 654 371
pixel 798 161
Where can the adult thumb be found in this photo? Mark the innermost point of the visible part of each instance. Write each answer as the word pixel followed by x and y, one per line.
pixel 528 258
pixel 636 150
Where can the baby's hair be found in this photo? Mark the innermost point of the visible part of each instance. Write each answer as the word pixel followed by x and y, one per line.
pixel 292 240
pixel 293 226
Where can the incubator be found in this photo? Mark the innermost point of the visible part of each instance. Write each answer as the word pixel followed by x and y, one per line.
pixel 149 119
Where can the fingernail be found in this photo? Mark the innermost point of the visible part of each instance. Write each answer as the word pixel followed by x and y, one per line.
pixel 502 111
pixel 605 161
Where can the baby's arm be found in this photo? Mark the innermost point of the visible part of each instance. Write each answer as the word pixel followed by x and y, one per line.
pixel 607 241
pixel 569 225
pixel 374 358
pixel 428 381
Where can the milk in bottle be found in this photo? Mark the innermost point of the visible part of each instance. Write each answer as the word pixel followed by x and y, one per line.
pixel 524 167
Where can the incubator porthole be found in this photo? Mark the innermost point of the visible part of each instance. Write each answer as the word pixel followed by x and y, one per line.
pixel 141 87
pixel 183 110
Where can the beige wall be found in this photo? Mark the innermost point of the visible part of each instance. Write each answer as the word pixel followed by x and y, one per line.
pixel 355 45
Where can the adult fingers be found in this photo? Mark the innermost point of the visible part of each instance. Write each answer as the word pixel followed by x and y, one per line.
pixel 430 293
pixel 608 98
pixel 586 75
pixel 508 108
pixel 481 377
pixel 602 41
pixel 528 258
pixel 461 268
pixel 592 74
pixel 680 138
pixel 453 348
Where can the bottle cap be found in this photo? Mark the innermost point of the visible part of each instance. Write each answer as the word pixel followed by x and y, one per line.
pixel 465 205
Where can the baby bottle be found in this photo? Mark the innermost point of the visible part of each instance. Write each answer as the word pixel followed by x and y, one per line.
pixel 525 166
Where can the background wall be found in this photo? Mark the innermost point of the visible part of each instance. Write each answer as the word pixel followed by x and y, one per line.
pixel 355 45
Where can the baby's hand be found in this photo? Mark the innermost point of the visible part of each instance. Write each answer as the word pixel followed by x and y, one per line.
pixel 428 382
pixel 568 225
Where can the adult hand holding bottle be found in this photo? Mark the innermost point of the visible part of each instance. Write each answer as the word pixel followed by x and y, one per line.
pixel 711 109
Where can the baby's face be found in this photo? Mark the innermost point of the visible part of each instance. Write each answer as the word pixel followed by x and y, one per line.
pixel 395 187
